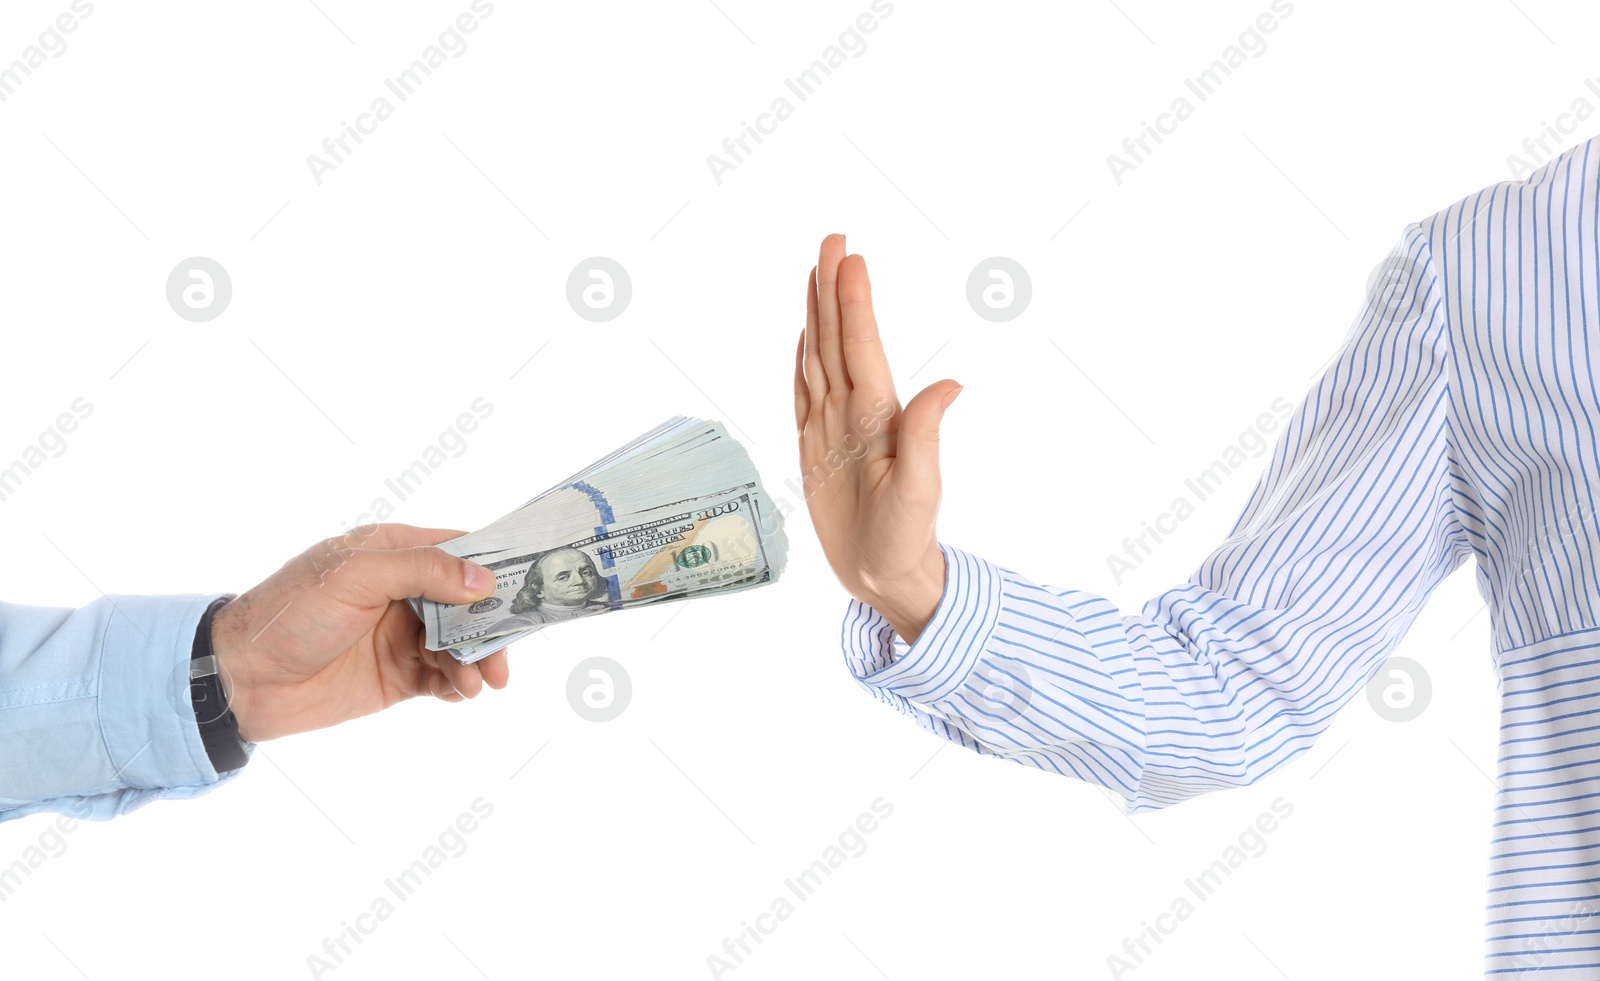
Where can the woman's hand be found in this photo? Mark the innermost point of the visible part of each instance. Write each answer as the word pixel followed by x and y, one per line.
pixel 870 468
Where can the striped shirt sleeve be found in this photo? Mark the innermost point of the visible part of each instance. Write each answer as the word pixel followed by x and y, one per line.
pixel 1219 681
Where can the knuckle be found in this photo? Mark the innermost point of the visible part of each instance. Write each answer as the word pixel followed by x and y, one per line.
pixel 362 535
pixel 431 564
pixel 328 556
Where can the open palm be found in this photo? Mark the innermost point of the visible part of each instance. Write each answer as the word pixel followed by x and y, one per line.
pixel 870 467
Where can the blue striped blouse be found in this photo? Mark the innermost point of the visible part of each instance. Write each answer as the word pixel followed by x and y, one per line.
pixel 1458 419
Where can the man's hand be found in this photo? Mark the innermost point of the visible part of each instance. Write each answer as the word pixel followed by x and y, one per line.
pixel 329 638
pixel 871 469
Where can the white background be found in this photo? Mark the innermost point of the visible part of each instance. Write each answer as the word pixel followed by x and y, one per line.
pixel 371 310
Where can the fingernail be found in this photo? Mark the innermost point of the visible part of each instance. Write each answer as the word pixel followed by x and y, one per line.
pixel 479 579
pixel 951 397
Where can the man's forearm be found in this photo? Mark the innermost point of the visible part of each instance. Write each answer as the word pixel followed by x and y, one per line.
pixel 94 705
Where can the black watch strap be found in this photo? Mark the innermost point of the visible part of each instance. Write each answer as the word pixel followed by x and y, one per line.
pixel 219 730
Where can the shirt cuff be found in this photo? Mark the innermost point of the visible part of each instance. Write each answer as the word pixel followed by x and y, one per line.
pixel 949 647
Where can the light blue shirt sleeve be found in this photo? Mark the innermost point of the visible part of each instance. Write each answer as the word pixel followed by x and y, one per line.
pixel 1221 680
pixel 96 718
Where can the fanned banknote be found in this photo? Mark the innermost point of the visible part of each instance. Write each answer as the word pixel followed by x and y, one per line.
pixel 675 514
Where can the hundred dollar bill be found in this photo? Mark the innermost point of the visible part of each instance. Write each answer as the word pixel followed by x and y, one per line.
pixel 713 542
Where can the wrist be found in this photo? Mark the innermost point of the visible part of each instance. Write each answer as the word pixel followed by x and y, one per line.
pixel 237 687
pixel 909 601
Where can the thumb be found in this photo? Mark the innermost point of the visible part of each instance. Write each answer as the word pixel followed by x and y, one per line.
pixel 918 449
pixel 431 573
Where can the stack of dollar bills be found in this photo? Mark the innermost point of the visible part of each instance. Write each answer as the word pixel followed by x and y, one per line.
pixel 675 514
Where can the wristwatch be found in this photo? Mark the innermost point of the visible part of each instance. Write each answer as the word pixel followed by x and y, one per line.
pixel 219 730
